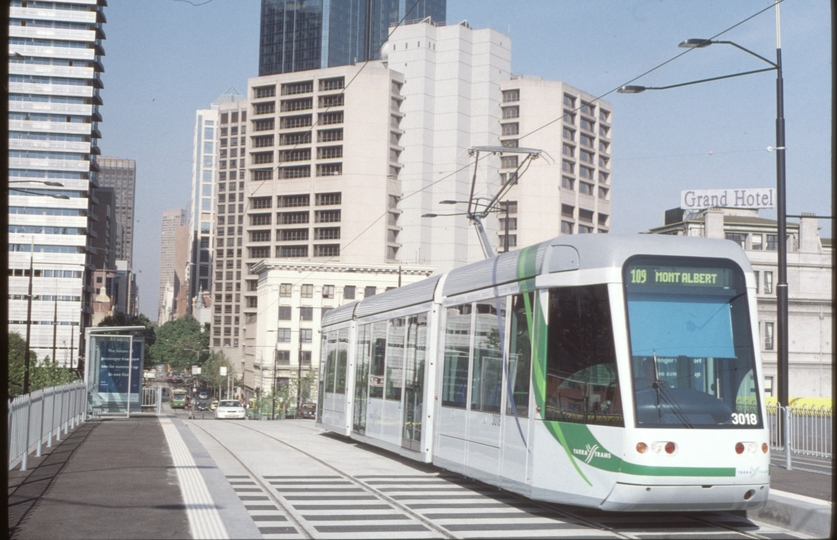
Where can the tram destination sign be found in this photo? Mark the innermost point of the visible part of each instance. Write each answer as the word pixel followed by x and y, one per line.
pixel 696 199
pixel 678 276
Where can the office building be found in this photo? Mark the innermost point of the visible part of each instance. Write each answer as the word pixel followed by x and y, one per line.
pixel 174 240
pixel 810 281
pixel 121 175
pixel 459 94
pixel 202 210
pixel 299 35
pixel 55 51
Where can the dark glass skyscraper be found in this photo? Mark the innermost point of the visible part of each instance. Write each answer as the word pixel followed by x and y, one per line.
pixel 311 34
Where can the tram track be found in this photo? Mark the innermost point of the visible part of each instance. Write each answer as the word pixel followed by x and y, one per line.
pixel 298 520
pixel 728 522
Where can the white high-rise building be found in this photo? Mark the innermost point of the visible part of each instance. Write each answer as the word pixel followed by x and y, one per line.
pixel 202 210
pixel 459 94
pixel 172 240
pixel 55 51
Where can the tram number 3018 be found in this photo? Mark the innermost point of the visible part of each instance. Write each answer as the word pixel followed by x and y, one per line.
pixel 744 419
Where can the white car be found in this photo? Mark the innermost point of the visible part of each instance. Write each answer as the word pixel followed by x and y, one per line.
pixel 230 409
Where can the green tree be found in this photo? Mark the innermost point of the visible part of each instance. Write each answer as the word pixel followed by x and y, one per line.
pixel 122 319
pixel 176 343
pixel 41 374
pixel 211 370
pixel 17 350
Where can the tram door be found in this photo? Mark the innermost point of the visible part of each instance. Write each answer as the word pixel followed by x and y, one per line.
pixel 516 434
pixel 413 395
pixel 361 379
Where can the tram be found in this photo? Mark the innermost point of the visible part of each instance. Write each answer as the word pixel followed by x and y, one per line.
pixel 619 373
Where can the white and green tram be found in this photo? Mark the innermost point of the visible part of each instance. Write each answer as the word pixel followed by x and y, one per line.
pixel 620 373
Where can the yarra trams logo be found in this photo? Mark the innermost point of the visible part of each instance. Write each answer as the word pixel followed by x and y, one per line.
pixel 591 451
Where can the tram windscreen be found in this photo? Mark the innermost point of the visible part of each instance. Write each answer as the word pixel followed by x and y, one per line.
pixel 692 357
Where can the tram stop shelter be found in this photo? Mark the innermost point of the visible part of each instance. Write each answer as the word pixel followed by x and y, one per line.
pixel 113 372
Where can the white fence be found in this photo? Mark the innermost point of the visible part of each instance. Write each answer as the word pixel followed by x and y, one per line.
pixel 37 417
pixel 800 431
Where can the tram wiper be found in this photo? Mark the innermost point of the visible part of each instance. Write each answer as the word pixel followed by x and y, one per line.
pixel 662 392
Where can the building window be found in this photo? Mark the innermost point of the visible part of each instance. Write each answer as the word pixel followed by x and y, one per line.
pixel 585 215
pixel 511 95
pixel 567 210
pixel 567 183
pixel 285 290
pixel 306 313
pixel 768 283
pixel 772 242
pixel 328 291
pixel 349 292
pixel 568 151
pixel 768 336
pixel 585 189
pixel 566 227
pixel 508 162
pixel 305 335
pixel 569 101
pixel 511 112
pixel 569 134
pixel 284 313
pixel 511 129
pixel 329 250
pixel 307 291
pixel 283 335
pixel 368 291
pixel 260 202
pixel 292 252
pixel 756 242
pixel 587 140
pixel 328 199
pixel 738 238
pixel 568 167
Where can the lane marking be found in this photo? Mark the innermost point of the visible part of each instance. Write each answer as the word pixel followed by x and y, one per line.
pixel 204 518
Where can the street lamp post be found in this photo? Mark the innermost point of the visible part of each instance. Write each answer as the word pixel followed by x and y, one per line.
pixel 781 211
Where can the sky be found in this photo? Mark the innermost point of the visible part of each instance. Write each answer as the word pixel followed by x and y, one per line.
pixel 165 59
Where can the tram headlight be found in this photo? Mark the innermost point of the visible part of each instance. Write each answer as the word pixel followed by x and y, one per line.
pixel 764 448
pixel 660 446
pixel 641 447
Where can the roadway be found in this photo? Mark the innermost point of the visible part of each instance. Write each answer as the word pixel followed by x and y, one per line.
pixel 169 476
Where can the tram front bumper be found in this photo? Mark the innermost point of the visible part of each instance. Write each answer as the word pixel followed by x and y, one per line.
pixel 637 498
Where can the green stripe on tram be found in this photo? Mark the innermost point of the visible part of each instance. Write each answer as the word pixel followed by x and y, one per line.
pixel 577 440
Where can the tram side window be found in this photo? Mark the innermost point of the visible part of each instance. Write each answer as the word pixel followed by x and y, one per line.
pixel 395 359
pixel 342 353
pixel 457 355
pixel 379 354
pixel 582 385
pixel 331 361
pixel 487 375
pixel 520 354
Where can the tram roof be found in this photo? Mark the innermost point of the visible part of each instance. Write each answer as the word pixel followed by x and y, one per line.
pixel 561 254
pixel 581 252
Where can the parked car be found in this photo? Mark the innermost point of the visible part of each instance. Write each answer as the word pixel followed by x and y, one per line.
pixel 307 410
pixel 230 408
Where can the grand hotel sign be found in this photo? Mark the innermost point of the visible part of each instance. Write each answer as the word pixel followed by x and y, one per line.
pixel 727 198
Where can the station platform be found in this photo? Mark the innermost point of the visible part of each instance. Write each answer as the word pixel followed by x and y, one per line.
pixel 118 478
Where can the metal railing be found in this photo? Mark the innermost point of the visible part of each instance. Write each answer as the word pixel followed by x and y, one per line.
pixel 800 431
pixel 37 417
pixel 152 397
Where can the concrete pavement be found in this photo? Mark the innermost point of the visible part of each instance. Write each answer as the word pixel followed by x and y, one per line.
pixel 149 477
